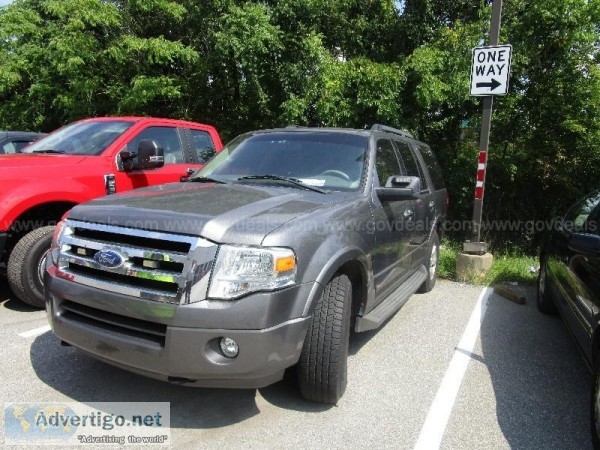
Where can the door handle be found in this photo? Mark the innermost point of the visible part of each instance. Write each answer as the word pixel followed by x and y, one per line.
pixel 432 204
pixel 408 213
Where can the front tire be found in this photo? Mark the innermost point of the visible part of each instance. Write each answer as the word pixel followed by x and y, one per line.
pixel 323 365
pixel 544 301
pixel 432 264
pixel 26 266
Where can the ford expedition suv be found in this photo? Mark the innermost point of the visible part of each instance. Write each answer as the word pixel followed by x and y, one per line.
pixel 77 163
pixel 263 260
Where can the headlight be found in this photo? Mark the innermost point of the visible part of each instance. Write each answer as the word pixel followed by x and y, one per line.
pixel 241 270
pixel 55 246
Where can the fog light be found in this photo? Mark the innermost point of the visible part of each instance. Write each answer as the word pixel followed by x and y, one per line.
pixel 229 347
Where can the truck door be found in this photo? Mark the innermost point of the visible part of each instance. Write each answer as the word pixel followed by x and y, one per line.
pixel 424 205
pixel 177 159
pixel 392 222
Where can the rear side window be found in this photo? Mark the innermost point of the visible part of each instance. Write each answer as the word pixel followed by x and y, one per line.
pixel 411 168
pixel 202 145
pixel 434 168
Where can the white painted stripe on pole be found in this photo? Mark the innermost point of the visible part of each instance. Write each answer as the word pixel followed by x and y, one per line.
pixel 439 412
pixel 35 332
pixel 479 184
pixel 481 167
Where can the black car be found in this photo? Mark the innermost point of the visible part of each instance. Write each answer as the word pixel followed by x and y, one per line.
pixel 262 260
pixel 14 141
pixel 569 284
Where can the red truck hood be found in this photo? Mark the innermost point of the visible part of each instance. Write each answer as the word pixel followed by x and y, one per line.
pixel 39 159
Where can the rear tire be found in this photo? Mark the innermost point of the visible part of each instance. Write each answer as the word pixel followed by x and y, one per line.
pixel 544 301
pixel 26 266
pixel 432 264
pixel 323 365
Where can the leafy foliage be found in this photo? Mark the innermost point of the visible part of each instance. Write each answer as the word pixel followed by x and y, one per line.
pixel 246 64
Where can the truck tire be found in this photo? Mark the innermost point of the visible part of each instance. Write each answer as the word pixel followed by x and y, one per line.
pixel 431 264
pixel 323 365
pixel 544 301
pixel 26 266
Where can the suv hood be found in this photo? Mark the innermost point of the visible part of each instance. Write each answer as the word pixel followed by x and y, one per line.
pixel 27 160
pixel 222 213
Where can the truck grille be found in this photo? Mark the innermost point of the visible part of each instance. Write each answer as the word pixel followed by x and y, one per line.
pixel 133 262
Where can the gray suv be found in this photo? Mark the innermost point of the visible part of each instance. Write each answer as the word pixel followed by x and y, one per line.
pixel 264 259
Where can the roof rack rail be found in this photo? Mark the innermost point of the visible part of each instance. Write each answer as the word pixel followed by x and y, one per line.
pixel 380 127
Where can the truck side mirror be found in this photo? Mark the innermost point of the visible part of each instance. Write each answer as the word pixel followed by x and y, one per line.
pixel 399 188
pixel 585 244
pixel 150 155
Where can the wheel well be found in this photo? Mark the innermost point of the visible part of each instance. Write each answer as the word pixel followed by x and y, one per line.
pixel 355 272
pixel 36 217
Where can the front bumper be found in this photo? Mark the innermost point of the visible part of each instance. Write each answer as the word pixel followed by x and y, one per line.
pixel 165 342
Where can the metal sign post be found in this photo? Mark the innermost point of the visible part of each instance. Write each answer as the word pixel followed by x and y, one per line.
pixel 474 245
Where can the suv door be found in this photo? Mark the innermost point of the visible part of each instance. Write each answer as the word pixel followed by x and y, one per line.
pixel 392 223
pixel 177 159
pixel 576 273
pixel 424 206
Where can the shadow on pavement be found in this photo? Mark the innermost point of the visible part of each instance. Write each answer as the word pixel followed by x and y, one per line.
pixel 86 380
pixel 540 381
pixel 8 301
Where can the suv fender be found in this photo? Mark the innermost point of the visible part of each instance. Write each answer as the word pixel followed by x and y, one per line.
pixel 330 268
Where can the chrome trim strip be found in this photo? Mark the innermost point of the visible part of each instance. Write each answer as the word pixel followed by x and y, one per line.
pixel 119 288
pixel 126 269
pixel 137 232
pixel 127 251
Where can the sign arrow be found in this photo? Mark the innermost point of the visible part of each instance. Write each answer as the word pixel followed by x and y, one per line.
pixel 492 84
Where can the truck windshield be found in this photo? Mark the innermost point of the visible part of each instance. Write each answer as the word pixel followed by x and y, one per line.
pixel 326 160
pixel 81 138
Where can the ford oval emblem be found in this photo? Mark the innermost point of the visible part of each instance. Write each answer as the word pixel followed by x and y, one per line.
pixel 109 259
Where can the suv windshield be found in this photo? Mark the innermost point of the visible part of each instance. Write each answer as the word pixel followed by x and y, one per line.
pixel 81 138
pixel 326 160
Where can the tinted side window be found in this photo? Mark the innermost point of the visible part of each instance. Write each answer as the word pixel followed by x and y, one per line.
pixel 577 216
pixel 14 147
pixel 386 162
pixel 434 168
pixel 411 168
pixel 203 145
pixel 167 138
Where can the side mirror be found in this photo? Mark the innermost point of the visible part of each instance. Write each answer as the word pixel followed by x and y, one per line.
pixel 150 155
pixel 585 244
pixel 399 188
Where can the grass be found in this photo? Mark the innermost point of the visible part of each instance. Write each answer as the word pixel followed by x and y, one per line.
pixel 505 267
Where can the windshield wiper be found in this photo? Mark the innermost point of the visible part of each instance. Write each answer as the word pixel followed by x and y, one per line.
pixel 207 180
pixel 49 150
pixel 289 180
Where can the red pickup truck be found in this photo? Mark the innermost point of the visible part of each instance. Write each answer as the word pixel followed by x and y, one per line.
pixel 79 162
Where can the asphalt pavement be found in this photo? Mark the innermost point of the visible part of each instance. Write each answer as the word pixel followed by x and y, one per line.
pixel 524 383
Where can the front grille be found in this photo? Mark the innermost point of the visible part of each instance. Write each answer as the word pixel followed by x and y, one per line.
pixel 141 329
pixel 149 264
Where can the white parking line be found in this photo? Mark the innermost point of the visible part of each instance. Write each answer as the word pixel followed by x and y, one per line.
pixel 35 332
pixel 439 413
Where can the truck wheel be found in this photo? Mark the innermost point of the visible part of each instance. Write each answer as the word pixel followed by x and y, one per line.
pixel 544 302
pixel 431 264
pixel 26 266
pixel 323 366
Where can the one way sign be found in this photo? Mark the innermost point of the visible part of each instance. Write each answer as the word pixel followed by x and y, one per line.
pixel 490 70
